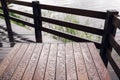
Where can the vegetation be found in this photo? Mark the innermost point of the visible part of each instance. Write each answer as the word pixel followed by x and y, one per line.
pixel 65 17
pixel 73 19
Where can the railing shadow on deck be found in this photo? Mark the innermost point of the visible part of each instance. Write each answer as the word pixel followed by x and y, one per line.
pixel 111 17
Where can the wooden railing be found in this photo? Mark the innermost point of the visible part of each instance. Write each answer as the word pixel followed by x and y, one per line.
pixel 113 44
pixel 38 22
pixel 108 41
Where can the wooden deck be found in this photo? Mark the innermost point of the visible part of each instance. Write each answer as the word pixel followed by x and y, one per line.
pixel 70 61
pixel 3 52
pixel 112 23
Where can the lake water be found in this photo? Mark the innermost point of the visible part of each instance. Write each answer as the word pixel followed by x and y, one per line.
pixel 99 5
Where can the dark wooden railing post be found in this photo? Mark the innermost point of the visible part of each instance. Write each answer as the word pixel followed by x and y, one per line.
pixel 109 29
pixel 0 41
pixel 7 20
pixel 37 21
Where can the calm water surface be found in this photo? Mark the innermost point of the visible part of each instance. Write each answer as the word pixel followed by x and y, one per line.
pixel 99 5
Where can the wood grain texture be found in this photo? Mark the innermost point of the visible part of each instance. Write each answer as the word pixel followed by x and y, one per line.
pixel 61 68
pixel 4 64
pixel 102 71
pixel 41 67
pixel 91 68
pixel 70 63
pixel 23 64
pixel 51 65
pixel 29 72
pixel 14 63
pixel 80 63
pixel 53 61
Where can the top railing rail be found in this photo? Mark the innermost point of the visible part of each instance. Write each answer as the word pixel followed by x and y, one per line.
pixel 88 13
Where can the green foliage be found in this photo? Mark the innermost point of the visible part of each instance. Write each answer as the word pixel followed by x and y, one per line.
pixel 68 18
pixel 13 15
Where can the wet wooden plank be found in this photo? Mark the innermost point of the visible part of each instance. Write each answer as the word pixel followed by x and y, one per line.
pixel 102 71
pixel 91 68
pixel 8 58
pixel 70 63
pixel 61 61
pixel 29 72
pixel 14 63
pixel 40 70
pixel 80 63
pixel 60 68
pixel 24 62
pixel 51 65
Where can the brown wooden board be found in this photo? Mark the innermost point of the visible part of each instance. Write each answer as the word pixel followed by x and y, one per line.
pixel 24 62
pixel 54 61
pixel 91 68
pixel 102 71
pixel 80 63
pixel 41 67
pixel 70 63
pixel 14 63
pixel 4 64
pixel 61 68
pixel 51 65
pixel 29 72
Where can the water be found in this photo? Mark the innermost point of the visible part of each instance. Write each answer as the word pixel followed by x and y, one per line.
pixel 99 5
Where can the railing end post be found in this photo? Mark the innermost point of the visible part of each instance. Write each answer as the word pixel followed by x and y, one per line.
pixel 109 29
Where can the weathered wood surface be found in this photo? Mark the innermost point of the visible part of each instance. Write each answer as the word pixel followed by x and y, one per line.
pixel 57 61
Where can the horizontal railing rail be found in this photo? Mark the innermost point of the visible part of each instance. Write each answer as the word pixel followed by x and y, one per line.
pixel 73 26
pixel 114 44
pixel 21 13
pixel 87 13
pixel 69 36
pixel 21 21
pixel 23 3
pixel 116 21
